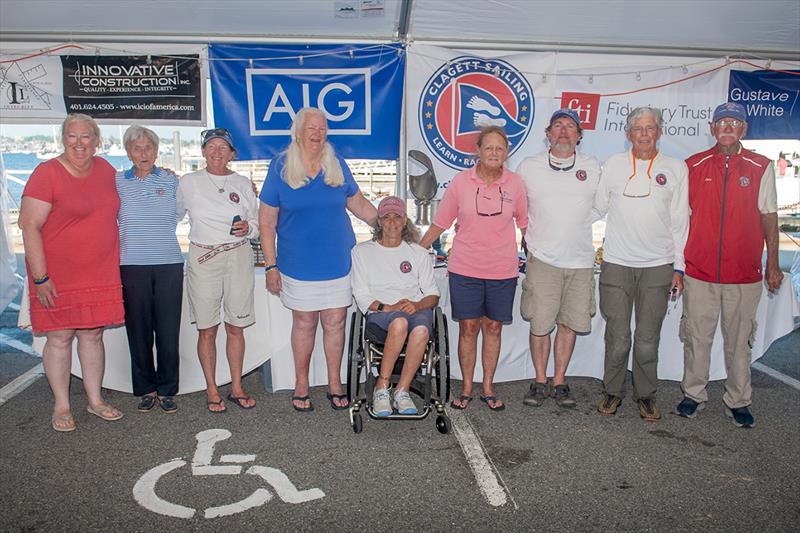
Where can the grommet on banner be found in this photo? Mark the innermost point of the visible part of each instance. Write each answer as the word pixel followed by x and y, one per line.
pixel 684 69
pixel 300 58
pixel 638 76
pixel 251 62
pixel 96 52
pixel 544 78
pixel 351 54
pixel 591 78
pixel 769 64
pixel 399 52
pixel 149 59
pixel 449 64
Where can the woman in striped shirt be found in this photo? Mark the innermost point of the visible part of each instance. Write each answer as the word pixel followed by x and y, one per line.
pixel 151 267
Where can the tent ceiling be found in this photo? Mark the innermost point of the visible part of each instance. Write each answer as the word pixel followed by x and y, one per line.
pixel 709 27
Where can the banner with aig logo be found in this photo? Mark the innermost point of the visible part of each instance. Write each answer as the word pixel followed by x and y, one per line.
pixel 257 91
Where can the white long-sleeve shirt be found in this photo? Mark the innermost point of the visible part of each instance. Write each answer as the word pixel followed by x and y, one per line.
pixel 211 212
pixel 390 274
pixel 647 231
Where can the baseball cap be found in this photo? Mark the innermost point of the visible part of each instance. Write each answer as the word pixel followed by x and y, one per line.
pixel 216 133
pixel 731 110
pixel 391 204
pixel 569 113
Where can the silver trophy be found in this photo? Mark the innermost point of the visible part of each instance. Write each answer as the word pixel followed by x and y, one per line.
pixel 423 187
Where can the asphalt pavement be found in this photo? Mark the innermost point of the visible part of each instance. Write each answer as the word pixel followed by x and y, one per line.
pixel 554 469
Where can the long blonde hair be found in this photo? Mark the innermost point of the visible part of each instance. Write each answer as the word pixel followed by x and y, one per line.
pixel 294 173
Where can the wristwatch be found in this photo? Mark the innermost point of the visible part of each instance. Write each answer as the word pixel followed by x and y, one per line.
pixel 380 307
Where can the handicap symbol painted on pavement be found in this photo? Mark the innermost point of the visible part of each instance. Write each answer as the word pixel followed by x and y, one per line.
pixel 144 491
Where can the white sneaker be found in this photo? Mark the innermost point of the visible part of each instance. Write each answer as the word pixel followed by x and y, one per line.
pixel 381 402
pixel 403 403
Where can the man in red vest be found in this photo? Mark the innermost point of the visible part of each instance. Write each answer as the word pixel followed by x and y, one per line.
pixel 733 206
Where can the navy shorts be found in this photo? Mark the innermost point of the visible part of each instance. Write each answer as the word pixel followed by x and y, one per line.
pixel 378 323
pixel 476 298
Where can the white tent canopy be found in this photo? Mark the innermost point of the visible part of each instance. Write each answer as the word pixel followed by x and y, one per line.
pixel 766 28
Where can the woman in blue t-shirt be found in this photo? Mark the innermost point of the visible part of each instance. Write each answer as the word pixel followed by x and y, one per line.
pixel 304 202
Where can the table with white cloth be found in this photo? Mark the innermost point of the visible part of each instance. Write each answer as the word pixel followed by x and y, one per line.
pixel 268 341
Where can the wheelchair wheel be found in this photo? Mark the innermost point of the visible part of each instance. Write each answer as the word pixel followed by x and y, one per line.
pixel 443 351
pixel 442 424
pixel 358 423
pixel 354 359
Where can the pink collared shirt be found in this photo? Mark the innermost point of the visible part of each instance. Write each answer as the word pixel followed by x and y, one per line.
pixel 485 244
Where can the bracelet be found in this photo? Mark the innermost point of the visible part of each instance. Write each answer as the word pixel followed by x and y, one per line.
pixel 270 267
pixel 41 281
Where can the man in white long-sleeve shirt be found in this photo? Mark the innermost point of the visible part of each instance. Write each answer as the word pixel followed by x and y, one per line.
pixel 645 197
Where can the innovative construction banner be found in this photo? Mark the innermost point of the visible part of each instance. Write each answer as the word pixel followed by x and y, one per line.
pixel 113 89
pixel 258 90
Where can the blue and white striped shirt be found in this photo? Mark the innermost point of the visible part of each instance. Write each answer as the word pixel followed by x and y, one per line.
pixel 148 215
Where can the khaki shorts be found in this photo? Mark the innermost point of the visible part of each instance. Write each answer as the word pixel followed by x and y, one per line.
pixel 223 280
pixel 553 295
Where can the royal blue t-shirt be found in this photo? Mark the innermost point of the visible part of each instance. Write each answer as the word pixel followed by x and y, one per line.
pixel 315 235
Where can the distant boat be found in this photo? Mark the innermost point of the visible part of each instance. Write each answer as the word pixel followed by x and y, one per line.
pixel 116 150
pixel 46 155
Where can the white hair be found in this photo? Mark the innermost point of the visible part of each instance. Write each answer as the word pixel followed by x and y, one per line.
pixel 80 117
pixel 294 173
pixel 639 112
pixel 135 132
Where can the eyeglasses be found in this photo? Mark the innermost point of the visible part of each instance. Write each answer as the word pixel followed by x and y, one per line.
pixel 478 209
pixel 632 176
pixel 565 169
pixel 206 134
pixel 733 123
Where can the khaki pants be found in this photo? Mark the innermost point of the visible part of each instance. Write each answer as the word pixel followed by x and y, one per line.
pixel 623 289
pixel 734 305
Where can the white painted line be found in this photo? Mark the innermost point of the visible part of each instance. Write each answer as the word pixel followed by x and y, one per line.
pixel 13 306
pixel 780 376
pixel 21 383
pixel 489 480
pixel 17 345
pixel 237 458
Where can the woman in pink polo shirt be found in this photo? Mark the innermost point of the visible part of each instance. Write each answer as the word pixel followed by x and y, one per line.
pixel 485 201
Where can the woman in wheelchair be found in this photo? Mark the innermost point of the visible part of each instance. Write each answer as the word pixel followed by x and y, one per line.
pixel 393 285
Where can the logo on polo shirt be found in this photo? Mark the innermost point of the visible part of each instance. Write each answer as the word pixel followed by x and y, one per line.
pixel 234 197
pixel 160 192
pixel 581 175
pixel 744 181
pixel 405 267
pixel 467 93
pixel 661 179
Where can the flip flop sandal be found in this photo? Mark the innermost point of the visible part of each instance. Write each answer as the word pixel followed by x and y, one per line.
pixel 302 399
pixel 463 399
pixel 108 412
pixel 239 400
pixel 209 403
pixel 487 399
pixel 70 423
pixel 332 397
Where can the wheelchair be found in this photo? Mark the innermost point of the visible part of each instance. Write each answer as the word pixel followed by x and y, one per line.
pixel 431 382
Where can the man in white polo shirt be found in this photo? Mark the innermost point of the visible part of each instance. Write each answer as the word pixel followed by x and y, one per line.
pixel 644 194
pixel 558 290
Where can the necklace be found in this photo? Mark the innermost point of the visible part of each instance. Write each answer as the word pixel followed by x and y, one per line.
pixel 565 169
pixel 219 189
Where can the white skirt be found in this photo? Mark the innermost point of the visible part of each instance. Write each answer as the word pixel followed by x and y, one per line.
pixel 300 295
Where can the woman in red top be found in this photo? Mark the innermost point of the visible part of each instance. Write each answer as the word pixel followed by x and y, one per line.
pixel 68 221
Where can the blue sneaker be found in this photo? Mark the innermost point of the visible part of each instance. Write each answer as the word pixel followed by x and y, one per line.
pixel 689 408
pixel 381 403
pixel 742 418
pixel 403 403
